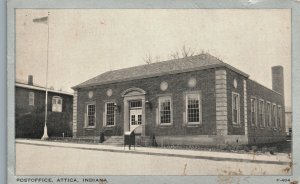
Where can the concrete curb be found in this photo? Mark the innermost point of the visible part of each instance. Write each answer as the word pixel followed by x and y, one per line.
pixel 165 154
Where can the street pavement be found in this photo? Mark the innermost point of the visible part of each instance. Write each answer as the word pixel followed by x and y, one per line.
pixel 57 158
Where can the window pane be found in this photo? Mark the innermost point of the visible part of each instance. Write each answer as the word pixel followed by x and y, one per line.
pixel 268 114
pixel 165 110
pixel 56 104
pixel 253 111
pixel 139 119
pixel 110 114
pixel 136 104
pixel 91 115
pixel 279 117
pixel 236 107
pixel 234 115
pixel 274 115
pixel 31 98
pixel 193 111
pixel 260 112
pixel 132 119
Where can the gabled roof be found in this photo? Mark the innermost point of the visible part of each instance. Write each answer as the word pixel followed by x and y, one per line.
pixel 192 63
pixel 27 86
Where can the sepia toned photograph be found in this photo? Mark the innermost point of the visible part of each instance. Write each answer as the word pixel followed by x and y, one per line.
pixel 138 92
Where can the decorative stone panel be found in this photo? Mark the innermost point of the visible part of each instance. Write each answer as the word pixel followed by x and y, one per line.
pixel 221 102
pixel 75 114
pixel 245 107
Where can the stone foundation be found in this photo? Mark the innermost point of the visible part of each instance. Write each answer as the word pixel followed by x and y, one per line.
pixel 205 140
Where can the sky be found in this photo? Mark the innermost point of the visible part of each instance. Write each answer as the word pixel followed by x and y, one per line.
pixel 84 43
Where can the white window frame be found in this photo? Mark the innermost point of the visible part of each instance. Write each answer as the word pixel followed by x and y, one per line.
pixel 136 101
pixel 279 115
pixel 55 106
pixel 275 115
pixel 87 117
pixel 160 99
pixel 31 98
pixel 105 114
pixel 251 110
pixel 198 96
pixel 238 108
pixel 262 123
pixel 269 114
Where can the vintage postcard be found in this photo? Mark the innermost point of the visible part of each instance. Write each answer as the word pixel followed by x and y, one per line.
pixel 142 94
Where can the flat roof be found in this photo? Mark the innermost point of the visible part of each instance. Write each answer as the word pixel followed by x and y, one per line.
pixel 27 86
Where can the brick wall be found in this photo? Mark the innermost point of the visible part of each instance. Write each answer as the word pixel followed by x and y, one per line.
pixel 231 76
pixel 177 86
pixel 259 134
pixel 29 120
pixel 211 83
pixel 247 88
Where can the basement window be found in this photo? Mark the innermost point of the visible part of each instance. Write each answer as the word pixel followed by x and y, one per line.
pixel 236 108
pixel 56 104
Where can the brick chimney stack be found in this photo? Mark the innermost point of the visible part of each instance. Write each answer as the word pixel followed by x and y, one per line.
pixel 30 80
pixel 277 79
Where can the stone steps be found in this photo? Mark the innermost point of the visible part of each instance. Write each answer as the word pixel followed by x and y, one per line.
pixel 114 140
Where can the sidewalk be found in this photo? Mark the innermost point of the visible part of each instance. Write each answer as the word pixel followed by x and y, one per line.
pixel 279 158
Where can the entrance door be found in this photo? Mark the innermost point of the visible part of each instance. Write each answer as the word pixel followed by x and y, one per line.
pixel 135 118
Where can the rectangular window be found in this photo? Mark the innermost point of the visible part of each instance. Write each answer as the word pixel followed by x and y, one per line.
pixel 165 108
pixel 133 122
pixel 274 116
pixel 279 116
pixel 56 104
pixel 193 108
pixel 235 108
pixel 91 115
pixel 110 113
pixel 253 111
pixel 31 98
pixel 261 107
pixel 268 114
pixel 135 104
pixel 139 119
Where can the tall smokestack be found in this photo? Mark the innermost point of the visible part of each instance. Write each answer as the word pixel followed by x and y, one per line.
pixel 277 79
pixel 30 80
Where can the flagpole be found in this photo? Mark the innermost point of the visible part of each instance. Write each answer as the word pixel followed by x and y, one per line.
pixel 45 135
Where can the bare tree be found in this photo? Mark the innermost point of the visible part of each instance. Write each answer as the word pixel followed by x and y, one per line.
pixel 175 55
pixel 184 52
pixel 187 52
pixel 148 59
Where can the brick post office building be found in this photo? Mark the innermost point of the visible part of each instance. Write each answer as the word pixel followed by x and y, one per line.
pixel 30 111
pixel 197 100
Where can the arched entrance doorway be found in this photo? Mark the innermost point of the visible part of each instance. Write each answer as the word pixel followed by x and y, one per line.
pixel 134 110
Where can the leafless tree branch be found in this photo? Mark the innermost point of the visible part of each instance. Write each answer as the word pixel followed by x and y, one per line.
pixel 148 59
